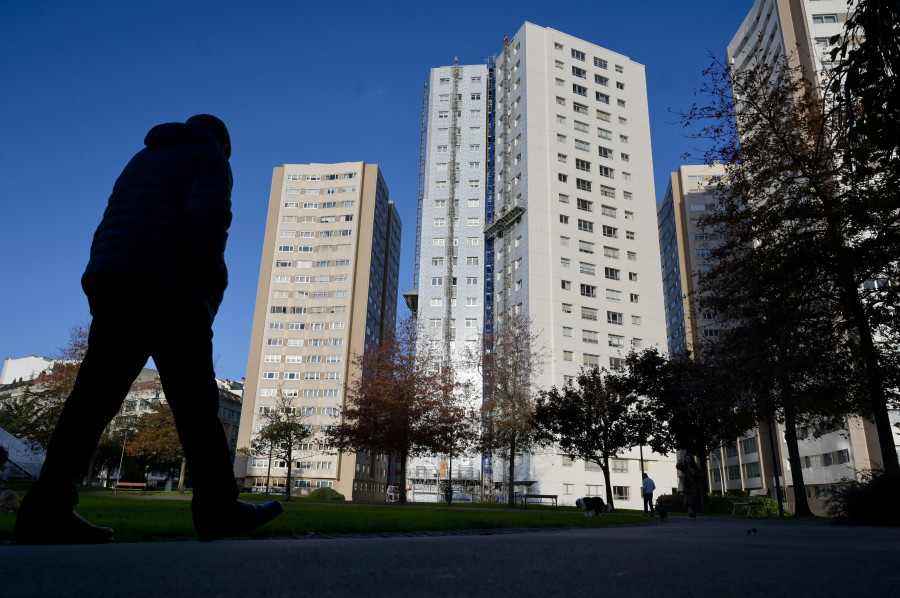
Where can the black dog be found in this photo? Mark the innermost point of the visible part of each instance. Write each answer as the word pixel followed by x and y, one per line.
pixel 592 505
pixel 663 513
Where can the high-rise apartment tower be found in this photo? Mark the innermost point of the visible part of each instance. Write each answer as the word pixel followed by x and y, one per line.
pixel 327 287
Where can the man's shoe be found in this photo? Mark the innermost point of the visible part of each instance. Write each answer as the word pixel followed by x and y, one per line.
pixel 70 528
pixel 241 518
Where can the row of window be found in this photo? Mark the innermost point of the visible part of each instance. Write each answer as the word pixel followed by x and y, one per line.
pixel 438 281
pixel 313 248
pixel 310 342
pixel 313 205
pixel 293 393
pixel 311 264
pixel 302 375
pixel 319 177
pixel 306 280
pixel 471 260
pixel 612 317
pixel 439 302
pixel 326 191
pixel 440 222
pixel 589 290
pixel 321 309
pixel 837 457
pixel 277 358
pixel 281 309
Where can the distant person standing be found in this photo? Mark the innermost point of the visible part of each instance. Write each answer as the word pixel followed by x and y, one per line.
pixel 647 488
pixel 154 282
pixel 693 484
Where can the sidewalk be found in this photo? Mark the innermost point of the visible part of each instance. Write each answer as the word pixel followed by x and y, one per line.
pixel 706 557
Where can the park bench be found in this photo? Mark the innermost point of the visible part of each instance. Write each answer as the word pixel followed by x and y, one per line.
pixel 756 500
pixel 540 498
pixel 131 486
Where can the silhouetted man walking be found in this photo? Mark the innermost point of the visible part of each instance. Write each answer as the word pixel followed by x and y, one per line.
pixel 155 279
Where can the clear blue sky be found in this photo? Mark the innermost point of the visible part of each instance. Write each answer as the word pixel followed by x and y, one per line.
pixel 81 83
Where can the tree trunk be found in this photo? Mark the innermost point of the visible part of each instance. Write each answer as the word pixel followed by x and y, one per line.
pixel 511 487
pixel 181 475
pixel 704 481
pixel 853 305
pixel 403 457
pixel 287 484
pixel 609 493
pixel 269 469
pixel 90 475
pixel 801 506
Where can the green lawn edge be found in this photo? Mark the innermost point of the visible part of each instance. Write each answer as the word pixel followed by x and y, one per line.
pixel 153 518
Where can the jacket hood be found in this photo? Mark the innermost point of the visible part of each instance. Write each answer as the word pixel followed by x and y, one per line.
pixel 168 134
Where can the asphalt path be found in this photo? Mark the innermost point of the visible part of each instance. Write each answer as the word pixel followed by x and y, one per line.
pixel 706 557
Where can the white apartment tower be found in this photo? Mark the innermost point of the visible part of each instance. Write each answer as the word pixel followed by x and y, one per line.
pixel 798 30
pixel 567 215
pixel 327 287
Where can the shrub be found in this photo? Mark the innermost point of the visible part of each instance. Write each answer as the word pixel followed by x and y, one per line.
pixel 326 494
pixel 869 500
pixel 674 503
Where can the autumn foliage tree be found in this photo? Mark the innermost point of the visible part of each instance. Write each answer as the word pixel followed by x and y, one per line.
pixel 394 398
pixel 154 442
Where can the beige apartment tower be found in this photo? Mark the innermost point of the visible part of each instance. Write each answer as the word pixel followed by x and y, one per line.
pixel 327 288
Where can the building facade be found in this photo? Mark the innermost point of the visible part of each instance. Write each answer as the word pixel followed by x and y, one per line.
pixel 328 287
pixel 798 30
pixel 568 225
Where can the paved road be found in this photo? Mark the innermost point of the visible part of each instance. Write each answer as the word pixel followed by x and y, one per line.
pixel 707 557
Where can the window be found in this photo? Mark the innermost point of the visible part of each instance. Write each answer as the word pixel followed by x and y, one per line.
pixel 610 231
pixel 589 359
pixel 583 184
pixel 585 225
pixel 567 331
pixel 600 63
pixel 588 290
pixel 585 247
pixel 604 134
pixel 604 116
pixel 620 492
pixel 632 276
pixel 634 298
pixel 579 108
pixel 614 295
pixel 563 219
pixel 567 308
pixel 820 19
pixel 749 446
pixel 606 172
pixel 612 273
pixel 564 241
pixel 579 72
pixel 751 470
pixel 583 146
pixel 566 285
pixel 636 320
pixel 587 206
pixel 602 97
pixel 591 337
pixel 586 268
pixel 629 235
pixel 610 252
pixel 471 280
pixel 616 341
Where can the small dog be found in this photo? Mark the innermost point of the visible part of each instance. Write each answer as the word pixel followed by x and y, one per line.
pixel 592 505
pixel 9 502
pixel 663 514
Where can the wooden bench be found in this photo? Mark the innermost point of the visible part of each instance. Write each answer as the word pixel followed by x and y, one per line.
pixel 756 500
pixel 131 486
pixel 540 498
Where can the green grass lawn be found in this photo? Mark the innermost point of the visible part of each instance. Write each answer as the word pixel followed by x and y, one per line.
pixel 137 519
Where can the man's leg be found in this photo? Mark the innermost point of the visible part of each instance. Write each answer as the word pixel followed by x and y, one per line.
pixel 112 362
pixel 183 354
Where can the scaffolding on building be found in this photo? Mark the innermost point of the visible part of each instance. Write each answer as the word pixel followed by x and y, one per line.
pixel 412 296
